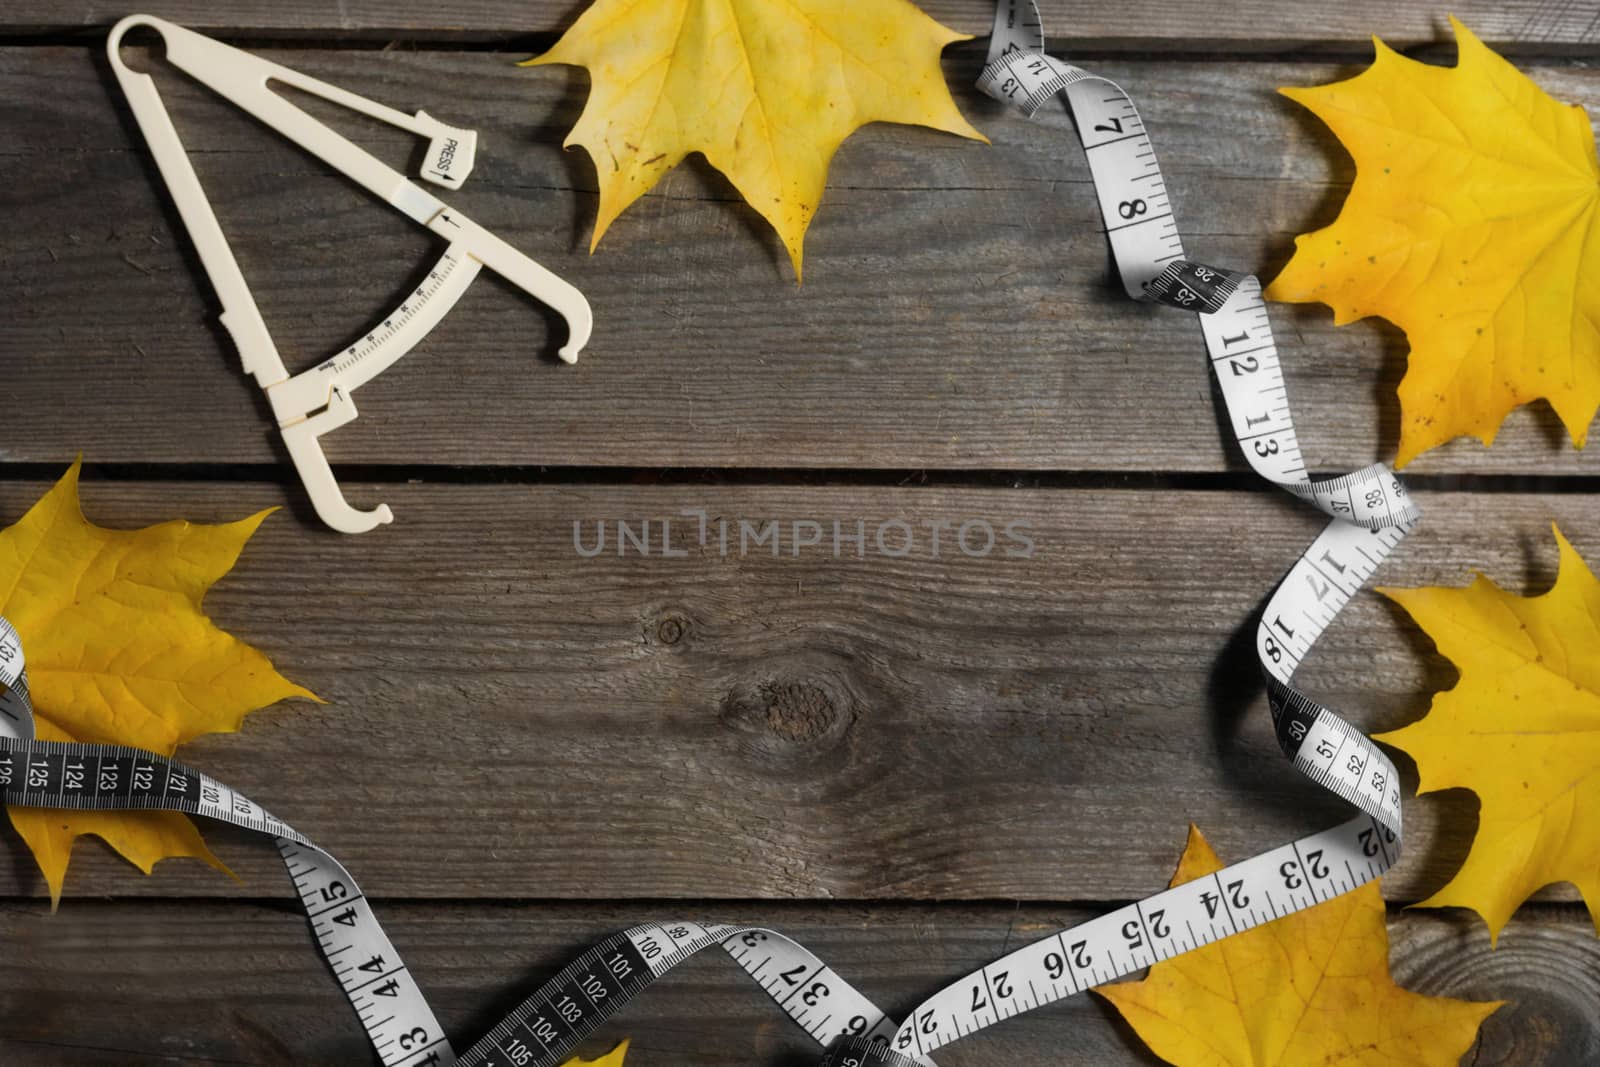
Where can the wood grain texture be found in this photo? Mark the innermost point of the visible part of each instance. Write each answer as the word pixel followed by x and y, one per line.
pixel 239 983
pixel 957 311
pixel 750 726
pixel 577 744
pixel 1144 24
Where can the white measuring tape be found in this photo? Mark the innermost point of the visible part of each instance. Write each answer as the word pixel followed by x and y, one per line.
pixel 402 1028
pixel 1370 514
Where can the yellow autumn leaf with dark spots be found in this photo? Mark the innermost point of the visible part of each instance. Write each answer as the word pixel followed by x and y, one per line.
pixel 1310 988
pixel 1521 729
pixel 120 652
pixel 1471 226
pixel 766 90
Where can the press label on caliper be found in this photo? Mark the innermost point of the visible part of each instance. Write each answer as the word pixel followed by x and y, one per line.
pixel 451 152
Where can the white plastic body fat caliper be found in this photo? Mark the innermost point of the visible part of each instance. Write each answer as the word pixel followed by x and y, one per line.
pixel 309 404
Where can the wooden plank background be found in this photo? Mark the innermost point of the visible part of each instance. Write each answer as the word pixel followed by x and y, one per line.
pixel 1540 25
pixel 909 763
pixel 947 281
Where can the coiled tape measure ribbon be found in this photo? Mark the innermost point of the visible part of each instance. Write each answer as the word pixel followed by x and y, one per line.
pixel 401 1026
pixel 1370 514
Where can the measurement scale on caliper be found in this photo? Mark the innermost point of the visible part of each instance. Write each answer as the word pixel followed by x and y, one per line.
pixel 316 401
pixel 1370 514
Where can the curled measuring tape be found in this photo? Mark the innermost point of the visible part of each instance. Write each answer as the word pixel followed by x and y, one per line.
pixel 1370 514
pixel 399 1023
pixel 1370 511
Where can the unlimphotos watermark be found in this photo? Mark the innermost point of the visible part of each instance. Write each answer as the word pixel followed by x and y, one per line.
pixel 895 537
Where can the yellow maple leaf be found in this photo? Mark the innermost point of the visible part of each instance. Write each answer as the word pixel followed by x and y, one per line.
pixel 1521 729
pixel 120 652
pixel 1471 226
pixel 610 1059
pixel 1312 987
pixel 766 90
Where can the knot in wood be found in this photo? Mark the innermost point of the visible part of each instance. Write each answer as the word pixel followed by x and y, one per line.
pixel 667 626
pixel 798 711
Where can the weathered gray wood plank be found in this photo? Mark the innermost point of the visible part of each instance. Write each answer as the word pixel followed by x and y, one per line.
pixel 801 727
pixel 1144 24
pixel 956 312
pixel 240 983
